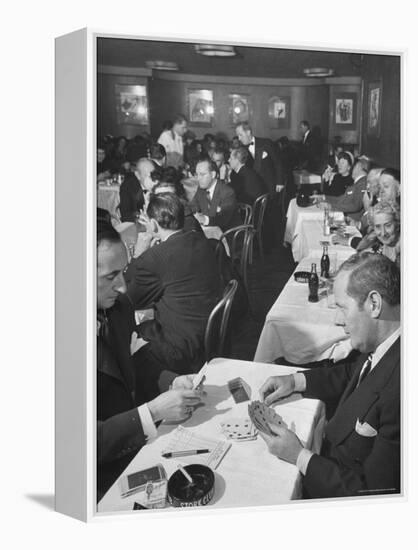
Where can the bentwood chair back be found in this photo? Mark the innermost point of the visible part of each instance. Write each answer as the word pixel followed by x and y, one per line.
pixel 217 325
pixel 257 219
pixel 246 211
pixel 240 240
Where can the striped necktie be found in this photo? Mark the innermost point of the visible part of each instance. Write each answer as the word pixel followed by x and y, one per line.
pixel 365 370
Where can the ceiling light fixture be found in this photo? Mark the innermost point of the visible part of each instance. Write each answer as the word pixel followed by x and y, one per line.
pixel 162 65
pixel 318 72
pixel 215 50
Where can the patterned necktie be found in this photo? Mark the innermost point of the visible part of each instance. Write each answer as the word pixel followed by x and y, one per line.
pixel 366 369
pixel 208 197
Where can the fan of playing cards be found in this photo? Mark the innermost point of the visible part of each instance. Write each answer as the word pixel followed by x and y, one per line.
pixel 239 429
pixel 262 415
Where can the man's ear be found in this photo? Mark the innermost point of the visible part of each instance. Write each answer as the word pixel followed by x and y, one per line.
pixel 374 304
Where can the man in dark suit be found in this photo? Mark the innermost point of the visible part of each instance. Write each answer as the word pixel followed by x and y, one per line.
pixel 360 454
pixel 214 202
pixel 124 419
pixel 134 188
pixel 263 157
pixel 351 202
pixel 179 278
pixel 245 181
pixel 310 148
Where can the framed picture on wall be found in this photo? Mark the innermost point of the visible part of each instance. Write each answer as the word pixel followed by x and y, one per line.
pixel 374 107
pixel 279 112
pixel 346 111
pixel 200 107
pixel 131 104
pixel 239 108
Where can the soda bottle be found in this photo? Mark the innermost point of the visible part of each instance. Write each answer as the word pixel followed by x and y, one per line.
pixel 325 263
pixel 313 284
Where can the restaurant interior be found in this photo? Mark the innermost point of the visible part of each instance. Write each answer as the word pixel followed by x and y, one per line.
pixel 306 145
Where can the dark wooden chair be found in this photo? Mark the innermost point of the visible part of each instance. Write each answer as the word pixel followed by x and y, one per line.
pixel 257 219
pixel 218 322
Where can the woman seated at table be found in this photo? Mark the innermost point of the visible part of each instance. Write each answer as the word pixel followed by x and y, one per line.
pixel 384 238
pixel 335 184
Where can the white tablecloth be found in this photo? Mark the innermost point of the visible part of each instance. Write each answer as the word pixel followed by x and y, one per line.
pixel 108 198
pixel 248 475
pixel 299 330
pixel 304 231
pixel 295 216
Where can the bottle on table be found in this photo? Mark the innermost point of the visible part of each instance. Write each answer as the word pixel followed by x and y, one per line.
pixel 325 264
pixel 326 226
pixel 313 284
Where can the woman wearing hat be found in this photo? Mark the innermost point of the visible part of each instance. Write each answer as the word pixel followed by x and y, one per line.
pixel 335 184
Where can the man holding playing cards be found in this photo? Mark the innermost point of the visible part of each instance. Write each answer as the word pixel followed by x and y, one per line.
pixel 360 453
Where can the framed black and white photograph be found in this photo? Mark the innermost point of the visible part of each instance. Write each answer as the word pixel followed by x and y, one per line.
pixel 261 407
pixel 239 109
pixel 279 112
pixel 201 107
pixel 346 111
pixel 374 108
pixel 131 104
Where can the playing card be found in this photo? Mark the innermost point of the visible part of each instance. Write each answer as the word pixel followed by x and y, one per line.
pixel 239 429
pixel 261 415
pixel 239 389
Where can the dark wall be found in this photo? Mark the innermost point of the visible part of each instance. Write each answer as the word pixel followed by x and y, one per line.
pixel 385 148
pixel 306 102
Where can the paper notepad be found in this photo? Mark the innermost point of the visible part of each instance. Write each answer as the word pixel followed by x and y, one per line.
pixel 183 439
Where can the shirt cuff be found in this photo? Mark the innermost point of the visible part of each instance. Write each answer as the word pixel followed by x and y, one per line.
pixel 206 220
pixel 150 431
pixel 303 460
pixel 300 382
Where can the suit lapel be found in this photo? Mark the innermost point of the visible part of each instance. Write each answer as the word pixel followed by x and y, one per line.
pixel 356 403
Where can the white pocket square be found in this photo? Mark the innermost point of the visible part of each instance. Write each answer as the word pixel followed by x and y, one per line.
pixel 218 209
pixel 365 429
pixel 264 155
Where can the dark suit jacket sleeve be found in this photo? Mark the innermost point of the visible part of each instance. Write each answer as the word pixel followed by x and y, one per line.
pixel 144 285
pixel 328 383
pixel 229 208
pixel 351 201
pixel 278 165
pixel 126 205
pixel 378 474
pixel 119 435
pixel 194 203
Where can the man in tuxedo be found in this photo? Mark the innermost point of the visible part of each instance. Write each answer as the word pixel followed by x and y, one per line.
pixel 360 454
pixel 124 419
pixel 179 278
pixel 214 202
pixel 310 148
pixel 263 157
pixel 134 188
pixel 245 181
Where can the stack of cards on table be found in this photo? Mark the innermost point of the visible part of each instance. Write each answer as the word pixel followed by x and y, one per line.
pixel 239 389
pixel 239 429
pixel 262 415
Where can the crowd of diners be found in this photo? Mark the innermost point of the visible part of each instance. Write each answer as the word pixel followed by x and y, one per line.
pixel 173 188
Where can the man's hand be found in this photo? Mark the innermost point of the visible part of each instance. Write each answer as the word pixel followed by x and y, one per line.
pixel 201 218
pixel 184 382
pixel 285 444
pixel 337 238
pixel 276 387
pixel 174 405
